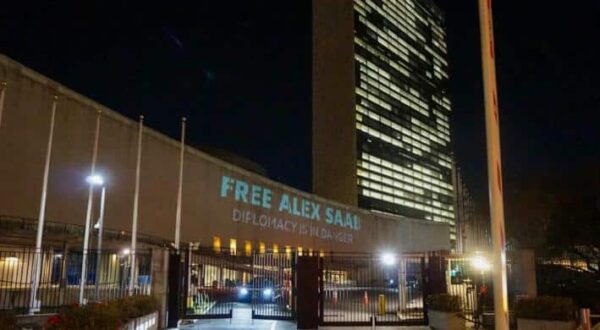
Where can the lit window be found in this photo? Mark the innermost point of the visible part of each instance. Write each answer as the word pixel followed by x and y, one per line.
pixel 288 251
pixel 217 244
pixel 233 246
pixel 275 248
pixel 248 248
pixel 261 247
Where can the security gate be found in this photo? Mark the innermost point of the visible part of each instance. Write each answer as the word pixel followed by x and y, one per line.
pixel 272 286
pixel 352 289
pixel 215 280
pixel 359 289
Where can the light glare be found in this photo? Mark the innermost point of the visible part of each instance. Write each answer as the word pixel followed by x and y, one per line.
pixel 388 259
pixel 480 263
pixel 96 180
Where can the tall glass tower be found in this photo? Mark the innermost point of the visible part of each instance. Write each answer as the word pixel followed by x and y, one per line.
pixel 401 107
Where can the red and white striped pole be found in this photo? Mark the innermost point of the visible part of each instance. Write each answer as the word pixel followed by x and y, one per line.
pixel 492 125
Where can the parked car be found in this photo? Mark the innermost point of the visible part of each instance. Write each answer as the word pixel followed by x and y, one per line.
pixel 261 289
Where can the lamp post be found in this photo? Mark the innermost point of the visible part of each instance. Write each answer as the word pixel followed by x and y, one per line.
pixel 481 264
pixel 92 180
pixel 99 247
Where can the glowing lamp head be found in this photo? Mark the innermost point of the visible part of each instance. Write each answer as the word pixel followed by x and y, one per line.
pixel 388 259
pixel 95 180
pixel 126 251
pixel 480 263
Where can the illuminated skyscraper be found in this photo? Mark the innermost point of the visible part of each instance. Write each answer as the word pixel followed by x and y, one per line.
pixel 381 129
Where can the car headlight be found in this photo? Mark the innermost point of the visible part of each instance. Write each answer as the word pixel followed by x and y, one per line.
pixel 243 291
pixel 267 292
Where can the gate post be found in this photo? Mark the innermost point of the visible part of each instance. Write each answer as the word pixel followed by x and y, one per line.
pixel 175 307
pixel 425 289
pixel 321 290
pixel 308 292
pixel 159 286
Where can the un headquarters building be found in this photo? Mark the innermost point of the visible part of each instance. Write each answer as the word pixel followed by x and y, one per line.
pixel 381 131
pixel 381 159
pixel 381 171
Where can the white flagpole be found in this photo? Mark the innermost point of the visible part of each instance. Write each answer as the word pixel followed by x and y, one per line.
pixel 132 275
pixel 180 189
pixel 33 303
pixel 2 100
pixel 88 215
pixel 494 165
pixel 99 243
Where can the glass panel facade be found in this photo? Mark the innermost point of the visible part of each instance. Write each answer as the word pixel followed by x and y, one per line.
pixel 404 161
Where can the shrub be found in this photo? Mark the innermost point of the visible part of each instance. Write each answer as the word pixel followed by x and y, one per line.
pixel 8 320
pixel 136 306
pixel 444 302
pixel 102 316
pixel 546 308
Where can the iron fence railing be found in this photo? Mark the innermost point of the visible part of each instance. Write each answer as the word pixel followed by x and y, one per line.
pixel 107 277
pixel 364 289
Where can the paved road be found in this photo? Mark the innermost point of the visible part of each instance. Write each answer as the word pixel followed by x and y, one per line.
pixel 242 320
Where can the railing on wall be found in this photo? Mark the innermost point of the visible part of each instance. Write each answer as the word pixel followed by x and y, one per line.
pixel 107 278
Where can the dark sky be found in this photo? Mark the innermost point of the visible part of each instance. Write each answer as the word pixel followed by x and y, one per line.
pixel 240 70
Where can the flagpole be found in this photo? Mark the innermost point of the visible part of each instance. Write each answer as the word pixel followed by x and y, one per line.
pixel 494 165
pixel 88 214
pixel 132 274
pixel 99 243
pixel 180 188
pixel 2 91
pixel 33 303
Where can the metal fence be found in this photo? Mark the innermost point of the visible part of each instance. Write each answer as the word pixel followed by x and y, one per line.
pixel 107 277
pixel 271 286
pixel 214 282
pixel 472 286
pixel 361 289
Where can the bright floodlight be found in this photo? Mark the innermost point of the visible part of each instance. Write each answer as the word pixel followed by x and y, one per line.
pixel 96 180
pixel 480 263
pixel 125 251
pixel 388 259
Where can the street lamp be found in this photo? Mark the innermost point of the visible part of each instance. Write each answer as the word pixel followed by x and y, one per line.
pixel 92 180
pixel 100 226
pixel 481 263
pixel 388 259
pixel 95 180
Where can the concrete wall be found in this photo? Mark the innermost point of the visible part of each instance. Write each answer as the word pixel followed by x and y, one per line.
pixel 333 100
pixel 206 212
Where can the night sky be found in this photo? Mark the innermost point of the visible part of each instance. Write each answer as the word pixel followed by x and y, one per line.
pixel 240 71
